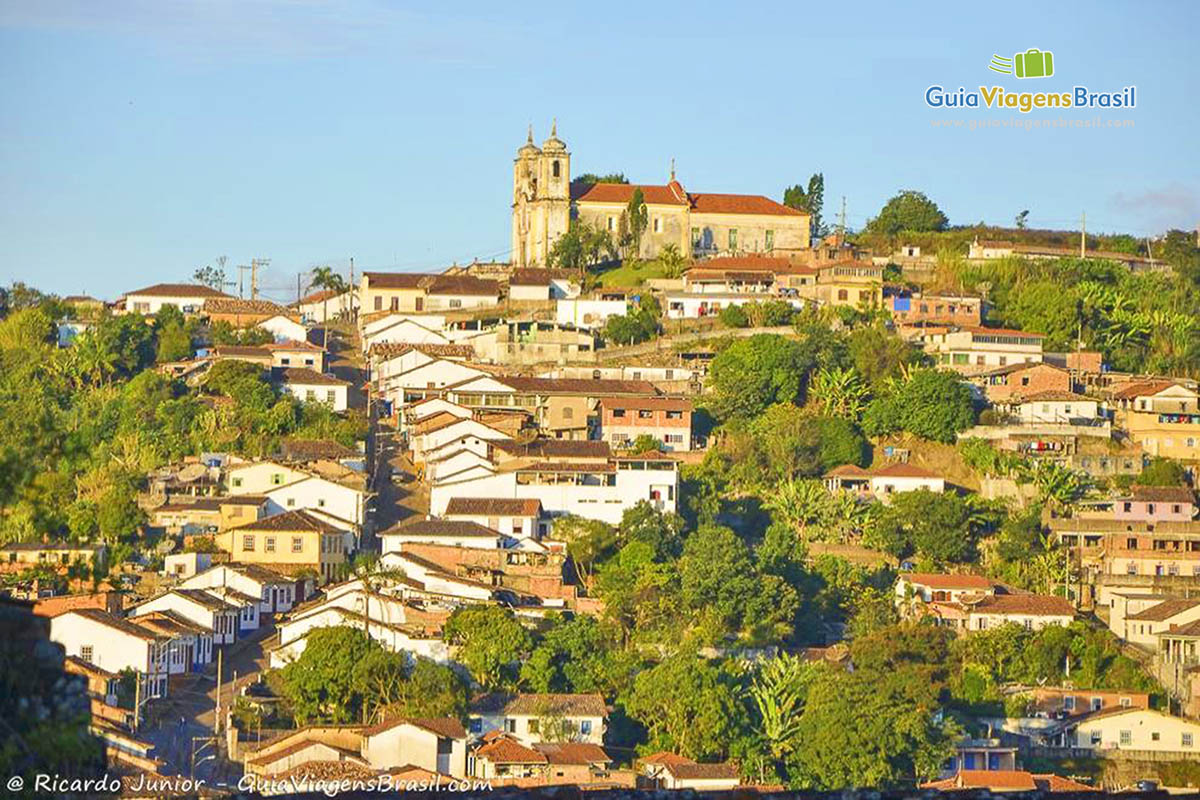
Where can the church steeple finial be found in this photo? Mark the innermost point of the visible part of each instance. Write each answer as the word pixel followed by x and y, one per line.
pixel 554 127
pixel 529 138
pixel 672 168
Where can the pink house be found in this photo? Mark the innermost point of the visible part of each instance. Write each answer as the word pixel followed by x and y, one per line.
pixel 1156 504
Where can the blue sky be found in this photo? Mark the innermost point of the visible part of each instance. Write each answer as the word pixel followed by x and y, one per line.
pixel 141 139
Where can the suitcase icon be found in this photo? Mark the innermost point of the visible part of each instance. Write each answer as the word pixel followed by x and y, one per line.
pixel 1034 63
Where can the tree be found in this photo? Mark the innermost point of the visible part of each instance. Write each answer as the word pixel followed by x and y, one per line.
pixel 590 178
pixel 673 261
pixel 588 541
pixel 839 393
pixel 637 326
pixel 810 200
pixel 322 684
pixel 734 316
pixel 932 525
pixel 908 211
pixel 860 731
pixel 579 655
pixel 932 404
pixel 581 247
pixel 489 642
pixel 778 691
pixel 637 217
pixel 687 706
pixel 1022 219
pixel 329 280
pixel 210 276
pixel 1163 472
pixel 174 343
pixel 756 372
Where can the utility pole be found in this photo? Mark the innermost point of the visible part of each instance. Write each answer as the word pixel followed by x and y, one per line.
pixel 842 223
pixel 217 713
pixel 298 274
pixel 255 264
pixel 352 293
pixel 1083 235
pixel 242 280
pixel 137 700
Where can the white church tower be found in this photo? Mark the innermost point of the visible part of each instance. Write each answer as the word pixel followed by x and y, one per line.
pixel 541 198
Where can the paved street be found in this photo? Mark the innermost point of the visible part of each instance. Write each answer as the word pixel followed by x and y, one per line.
pixel 188 713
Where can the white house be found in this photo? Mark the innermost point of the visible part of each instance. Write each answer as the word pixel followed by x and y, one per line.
pixel 310 386
pixel 327 301
pixel 297 353
pixel 1055 407
pixel 884 481
pixel 433 580
pixel 421 410
pixel 341 503
pixel 276 593
pixel 408 329
pixel 671 771
pixel 1143 627
pixel 187 297
pixel 589 312
pixel 259 477
pixel 114 644
pixel 1137 729
pixel 453 533
pixel 941 588
pixel 444 429
pixel 199 607
pixel 527 717
pixel 416 383
pixel 686 305
pixel 284 328
pixel 514 517
pixel 438 745
pixel 189 646
pixel 1032 611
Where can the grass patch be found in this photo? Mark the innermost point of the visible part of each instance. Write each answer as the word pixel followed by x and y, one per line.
pixel 631 274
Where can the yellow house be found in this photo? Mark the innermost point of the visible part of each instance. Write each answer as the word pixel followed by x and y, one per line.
pixel 290 542
pixel 1162 416
pixel 54 554
pixel 855 284
pixel 415 292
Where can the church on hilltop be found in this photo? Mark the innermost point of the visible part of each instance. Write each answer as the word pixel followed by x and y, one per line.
pixel 700 224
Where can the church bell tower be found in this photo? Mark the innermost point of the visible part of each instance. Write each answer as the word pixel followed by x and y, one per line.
pixel 541 198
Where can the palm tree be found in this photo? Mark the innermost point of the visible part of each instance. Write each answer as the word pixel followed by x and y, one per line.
pixel 92 359
pixel 778 692
pixel 839 392
pixel 800 504
pixel 672 260
pixel 325 278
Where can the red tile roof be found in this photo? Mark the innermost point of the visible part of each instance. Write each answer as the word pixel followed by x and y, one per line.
pixel 445 727
pixel 665 757
pixel 1164 494
pixel 1161 612
pixel 1037 605
pixel 504 750
pixel 178 290
pixel 945 581
pixel 591 387
pixel 995 779
pixel 709 772
pixel 493 507
pixel 296 521
pixel 673 194
pixel 575 753
pixel 1142 389
pixel 386 350
pixel 302 376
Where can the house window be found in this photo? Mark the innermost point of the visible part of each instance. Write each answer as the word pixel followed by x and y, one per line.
pixel 612 223
pixel 320 502
pixel 568 413
pixel 585 727
pixel 395 304
pixel 695 237
pixel 277 479
pixel 269 546
pixel 1126 738
pixel 237 482
pixel 85 653
pixel 1069 703
pixel 1097 703
pixel 843 294
pixel 534 727
pixel 1155 736
pixel 285 361
pixel 1185 740
pixel 769 240
pixel 1131 544
pixel 658 224
pixel 645 413
pixel 378 303
pixel 510 725
pixel 329 396
pixel 310 395
pixel 1126 702
pixel 248 544
pixel 297 544
pixel 618 412
pixel 733 238
pixel 291 501
pixel 456 303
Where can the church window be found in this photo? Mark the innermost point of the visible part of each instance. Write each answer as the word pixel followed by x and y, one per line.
pixel 556 169
pixel 769 240
pixel 378 303
pixel 612 223
pixel 733 238
pixel 658 224
pixel 696 237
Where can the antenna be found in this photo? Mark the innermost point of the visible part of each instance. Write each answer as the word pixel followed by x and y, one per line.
pixel 842 223
pixel 242 280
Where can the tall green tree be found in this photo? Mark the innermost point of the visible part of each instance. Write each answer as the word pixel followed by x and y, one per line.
pixel 908 210
pixel 637 217
pixel 489 642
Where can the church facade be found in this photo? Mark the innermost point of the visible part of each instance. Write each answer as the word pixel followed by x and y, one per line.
pixel 700 225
